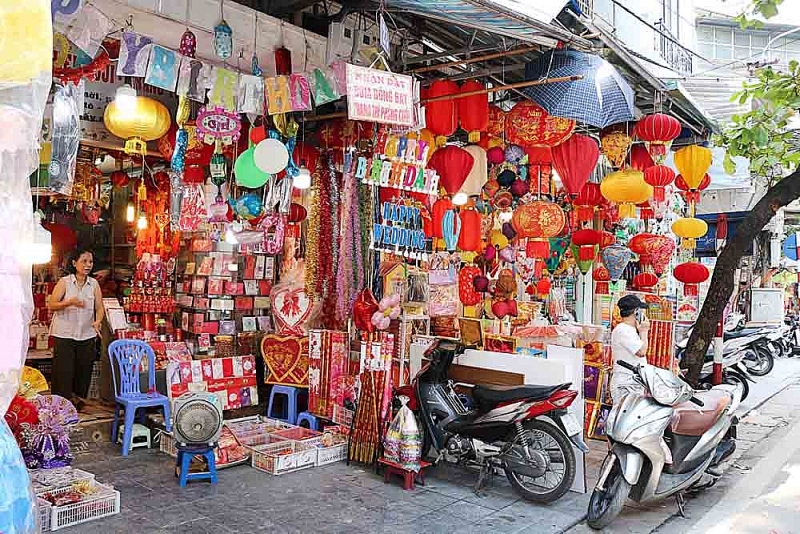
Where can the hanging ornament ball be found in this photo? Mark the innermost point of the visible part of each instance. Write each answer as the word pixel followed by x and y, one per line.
pixel 247 172
pixel 506 178
pixel 491 188
pixel 481 283
pixel 297 213
pixel 495 155
pixel 271 156
pixel 519 188
pixel 188 44
pixel 514 153
pixel 257 134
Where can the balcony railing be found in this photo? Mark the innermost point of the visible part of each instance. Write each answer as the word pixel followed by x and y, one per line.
pixel 676 57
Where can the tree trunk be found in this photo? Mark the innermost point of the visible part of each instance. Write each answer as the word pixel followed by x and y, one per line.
pixel 722 282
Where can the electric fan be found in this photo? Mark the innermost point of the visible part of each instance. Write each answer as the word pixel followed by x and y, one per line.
pixel 198 419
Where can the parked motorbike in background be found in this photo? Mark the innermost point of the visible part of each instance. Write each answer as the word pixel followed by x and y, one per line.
pixel 734 352
pixel 523 430
pixel 663 442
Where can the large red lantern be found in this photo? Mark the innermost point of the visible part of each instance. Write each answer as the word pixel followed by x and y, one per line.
pixel 641 244
pixel 645 281
pixel 538 221
pixel 453 164
pixel 586 240
pixel 441 116
pixel 588 199
pixel 640 158
pixel 440 207
pixel 601 278
pixel 658 131
pixel 659 176
pixel 528 124
pixel 574 160
pixel 691 195
pixel 690 274
pixel 473 111
pixel 470 237
pixel 543 287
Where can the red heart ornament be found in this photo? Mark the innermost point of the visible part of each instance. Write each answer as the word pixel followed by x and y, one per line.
pixel 291 308
pixel 286 359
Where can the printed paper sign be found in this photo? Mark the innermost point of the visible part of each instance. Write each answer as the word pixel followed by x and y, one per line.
pixel 163 68
pixel 377 96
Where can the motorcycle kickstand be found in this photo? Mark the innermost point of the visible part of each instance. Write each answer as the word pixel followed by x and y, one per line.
pixel 484 478
pixel 681 501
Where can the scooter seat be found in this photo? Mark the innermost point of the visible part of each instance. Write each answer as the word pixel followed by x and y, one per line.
pixel 488 395
pixel 740 333
pixel 690 419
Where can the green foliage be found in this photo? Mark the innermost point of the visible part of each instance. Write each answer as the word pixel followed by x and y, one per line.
pixel 761 134
pixel 763 8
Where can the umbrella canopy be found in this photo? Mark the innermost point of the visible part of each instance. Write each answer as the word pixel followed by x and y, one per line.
pixel 600 99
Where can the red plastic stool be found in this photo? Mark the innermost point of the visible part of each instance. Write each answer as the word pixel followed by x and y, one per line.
pixel 409 477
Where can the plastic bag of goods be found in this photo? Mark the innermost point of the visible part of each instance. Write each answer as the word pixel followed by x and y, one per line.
pixel 403 442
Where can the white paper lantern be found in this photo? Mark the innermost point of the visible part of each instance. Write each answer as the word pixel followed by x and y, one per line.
pixel 271 156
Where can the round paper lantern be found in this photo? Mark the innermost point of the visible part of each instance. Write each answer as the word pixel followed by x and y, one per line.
pixel 528 124
pixel 297 213
pixel 658 131
pixel 473 111
pixel 586 240
pixel 441 117
pixel 508 231
pixel 640 158
pixel 693 162
pixel 247 172
pixel 691 274
pixel 479 174
pixel 146 120
pixel 645 282
pixel 615 258
pixel 538 221
pixel 574 160
pixel 626 188
pixel 588 199
pixel 615 145
pixel 519 188
pixel 468 294
pixel 440 207
pixel 120 179
pixel 641 245
pixel 453 164
pixel 691 195
pixel 661 249
pixel 270 156
pixel 659 176
pixel 495 155
pixel 601 278
pixel 689 229
pixel 470 237
pixel 543 287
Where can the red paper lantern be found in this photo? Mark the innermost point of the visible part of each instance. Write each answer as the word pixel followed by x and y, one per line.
pixel 528 124
pixel 297 213
pixel 691 195
pixel 587 200
pixel 690 274
pixel 453 164
pixel 473 111
pixel 645 281
pixel 640 158
pixel 193 174
pixel 538 221
pixel 257 134
pixel 440 207
pixel 641 244
pixel 658 131
pixel 120 179
pixel 601 278
pixel 586 240
pixel 441 117
pixel 659 176
pixel 574 160
pixel 283 61
pixel 543 287
pixel 470 237
pixel 607 240
pixel 646 211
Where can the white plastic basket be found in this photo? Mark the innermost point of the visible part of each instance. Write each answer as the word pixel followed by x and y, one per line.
pixel 48 480
pixel 45 514
pixel 103 503
pixel 329 455
pixel 284 457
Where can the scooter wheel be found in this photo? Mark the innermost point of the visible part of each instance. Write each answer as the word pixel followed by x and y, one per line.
pixel 736 379
pixel 606 504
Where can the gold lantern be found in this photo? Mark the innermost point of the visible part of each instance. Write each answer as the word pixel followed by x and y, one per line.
pixel 626 188
pixel 615 145
pixel 689 229
pixel 693 162
pixel 137 120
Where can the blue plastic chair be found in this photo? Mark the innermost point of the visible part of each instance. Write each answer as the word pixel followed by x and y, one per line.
pixel 184 460
pixel 310 421
pixel 126 355
pixel 289 413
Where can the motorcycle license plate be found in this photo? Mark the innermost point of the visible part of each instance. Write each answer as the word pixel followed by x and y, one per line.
pixel 571 424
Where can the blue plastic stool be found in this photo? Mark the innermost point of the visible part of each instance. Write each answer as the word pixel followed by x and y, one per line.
pixel 292 394
pixel 310 420
pixel 185 455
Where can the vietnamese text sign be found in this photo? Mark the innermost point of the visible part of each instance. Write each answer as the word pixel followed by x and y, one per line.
pixel 377 96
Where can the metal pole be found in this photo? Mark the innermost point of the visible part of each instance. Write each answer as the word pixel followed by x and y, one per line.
pixel 716 378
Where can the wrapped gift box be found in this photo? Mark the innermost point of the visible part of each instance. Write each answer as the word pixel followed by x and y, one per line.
pixel 233 380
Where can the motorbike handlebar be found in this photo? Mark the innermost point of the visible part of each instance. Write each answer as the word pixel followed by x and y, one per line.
pixel 697 401
pixel 627 366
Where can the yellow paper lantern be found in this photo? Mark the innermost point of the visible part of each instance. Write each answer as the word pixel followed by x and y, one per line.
pixel 689 229
pixel 693 163
pixel 145 120
pixel 626 188
pixel 498 239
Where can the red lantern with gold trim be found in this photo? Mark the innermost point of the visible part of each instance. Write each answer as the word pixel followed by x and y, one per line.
pixel 440 207
pixel 641 245
pixel 659 176
pixel 441 117
pixel 601 278
pixel 691 274
pixel 645 281
pixel 473 111
pixel 574 160
pixel 588 199
pixel 658 131
pixel 470 237
pixel 543 287
pixel 691 195
pixel 538 221
pixel 586 240
pixel 528 124
pixel 640 158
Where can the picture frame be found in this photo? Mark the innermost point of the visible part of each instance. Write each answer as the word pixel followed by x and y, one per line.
pixel 471 332
pixel 597 428
pixel 248 324
pixel 495 343
pixel 593 377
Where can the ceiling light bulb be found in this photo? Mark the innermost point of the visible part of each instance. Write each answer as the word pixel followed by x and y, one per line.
pixel 141 224
pixel 125 98
pixel 130 213
pixel 459 199
pixel 303 179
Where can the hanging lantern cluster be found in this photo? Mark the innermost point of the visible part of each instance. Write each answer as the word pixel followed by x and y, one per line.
pixel 588 200
pixel 659 177
pixel 441 116
pixel 615 143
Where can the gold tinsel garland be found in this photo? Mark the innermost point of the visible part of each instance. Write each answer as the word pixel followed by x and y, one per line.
pixel 312 236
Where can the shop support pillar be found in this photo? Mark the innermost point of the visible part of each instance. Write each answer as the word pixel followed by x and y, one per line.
pixel 716 378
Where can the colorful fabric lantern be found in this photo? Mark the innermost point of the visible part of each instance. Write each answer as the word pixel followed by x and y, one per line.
pixel 223 40
pixel 658 131
pixel 479 174
pixel 689 229
pixel 586 241
pixel 148 120
pixel 690 274
pixel 188 45
pixel 584 265
pixel 558 246
pixel 645 282
pixel 574 160
pixel 659 176
pixel 441 117
pixel 691 195
pixel 514 154
pixel 641 245
pixel 601 279
pixel 538 221
pixel 640 158
pixel 588 199
pixel 528 124
pixel 615 144
pixel 519 188
pixel 543 287
pixel 283 61
pixel 453 164
pixel 693 163
pixel 473 111
pixel 440 207
pixel 615 258
pixel 661 249
pixel 626 188
pixel 470 238
pixel 506 177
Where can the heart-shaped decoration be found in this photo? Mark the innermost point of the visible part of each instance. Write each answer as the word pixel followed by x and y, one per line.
pixel 291 308
pixel 286 359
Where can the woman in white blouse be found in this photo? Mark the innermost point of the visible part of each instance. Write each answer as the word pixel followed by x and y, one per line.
pixel 77 306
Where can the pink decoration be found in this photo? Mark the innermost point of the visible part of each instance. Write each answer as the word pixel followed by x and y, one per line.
pixel 193 208
pixel 274 227
pixel 215 123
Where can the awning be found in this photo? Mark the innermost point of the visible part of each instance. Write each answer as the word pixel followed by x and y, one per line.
pixel 518 19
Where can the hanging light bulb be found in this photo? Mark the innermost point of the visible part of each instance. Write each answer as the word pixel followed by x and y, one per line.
pixel 303 178
pixel 39 250
pixel 230 237
pixel 141 224
pixel 125 98
pixel 459 199
pixel 130 213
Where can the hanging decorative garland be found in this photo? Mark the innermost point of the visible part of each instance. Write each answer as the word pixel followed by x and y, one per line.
pixel 89 71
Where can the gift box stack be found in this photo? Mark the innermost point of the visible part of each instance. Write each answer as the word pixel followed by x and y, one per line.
pixel 233 380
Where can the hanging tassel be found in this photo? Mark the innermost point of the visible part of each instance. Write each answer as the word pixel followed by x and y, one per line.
pixel 474 137
pixel 690 290
pixel 537 248
pixel 658 194
pixel 627 211
pixel 688 243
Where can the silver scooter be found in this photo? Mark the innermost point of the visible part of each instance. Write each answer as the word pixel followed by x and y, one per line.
pixel 662 442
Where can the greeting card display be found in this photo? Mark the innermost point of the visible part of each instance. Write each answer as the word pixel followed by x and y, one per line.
pixel 233 380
